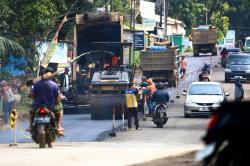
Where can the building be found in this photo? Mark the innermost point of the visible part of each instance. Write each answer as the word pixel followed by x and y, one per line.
pixel 146 19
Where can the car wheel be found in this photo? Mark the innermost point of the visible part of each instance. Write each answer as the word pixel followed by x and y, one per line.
pixel 226 80
pixel 187 115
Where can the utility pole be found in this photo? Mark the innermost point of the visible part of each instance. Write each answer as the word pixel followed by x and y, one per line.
pixel 131 14
pixel 131 22
pixel 166 17
pixel 134 15
pixel 161 10
pixel 111 5
pixel 206 13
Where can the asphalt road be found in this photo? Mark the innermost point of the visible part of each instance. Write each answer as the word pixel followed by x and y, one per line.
pixel 80 127
pixel 178 135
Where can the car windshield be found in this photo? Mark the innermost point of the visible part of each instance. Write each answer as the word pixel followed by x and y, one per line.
pixel 248 43
pixel 205 89
pixel 239 60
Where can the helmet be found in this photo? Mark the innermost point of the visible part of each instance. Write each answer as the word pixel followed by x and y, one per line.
pixel 160 85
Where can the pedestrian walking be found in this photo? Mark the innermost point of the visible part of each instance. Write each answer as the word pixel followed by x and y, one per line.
pixel 239 91
pixel 8 98
pixel 132 105
pixel 183 65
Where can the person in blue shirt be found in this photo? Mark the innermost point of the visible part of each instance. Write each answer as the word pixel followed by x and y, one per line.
pixel 45 92
pixel 160 96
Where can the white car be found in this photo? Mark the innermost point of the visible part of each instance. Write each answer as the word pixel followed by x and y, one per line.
pixel 202 98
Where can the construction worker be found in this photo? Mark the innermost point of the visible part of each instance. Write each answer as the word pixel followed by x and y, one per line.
pixel 132 106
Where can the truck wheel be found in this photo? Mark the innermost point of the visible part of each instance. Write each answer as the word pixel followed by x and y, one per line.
pixel 174 83
pixel 196 54
pixel 214 53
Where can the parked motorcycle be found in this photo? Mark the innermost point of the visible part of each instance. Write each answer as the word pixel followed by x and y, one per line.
pixel 160 115
pixel 44 127
pixel 228 143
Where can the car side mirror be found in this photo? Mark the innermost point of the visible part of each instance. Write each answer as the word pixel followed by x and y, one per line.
pixel 227 94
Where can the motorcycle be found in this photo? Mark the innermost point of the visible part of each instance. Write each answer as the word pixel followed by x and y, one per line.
pixel 205 76
pixel 160 115
pixel 226 138
pixel 44 127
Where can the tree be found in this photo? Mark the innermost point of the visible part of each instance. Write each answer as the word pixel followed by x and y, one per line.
pixel 191 12
pixel 220 21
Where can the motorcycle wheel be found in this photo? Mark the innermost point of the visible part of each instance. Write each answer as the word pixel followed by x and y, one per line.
pixel 41 140
pixel 50 137
pixel 160 125
pixel 224 157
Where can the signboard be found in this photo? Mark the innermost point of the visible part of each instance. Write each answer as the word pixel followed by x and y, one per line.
pixel 159 7
pixel 138 40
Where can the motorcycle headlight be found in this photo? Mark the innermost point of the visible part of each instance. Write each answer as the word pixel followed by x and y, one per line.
pixel 228 70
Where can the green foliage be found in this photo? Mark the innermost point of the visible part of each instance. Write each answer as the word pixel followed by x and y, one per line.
pixel 190 11
pixel 136 58
pixel 221 23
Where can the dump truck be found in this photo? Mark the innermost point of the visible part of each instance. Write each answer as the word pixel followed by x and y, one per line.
pixel 161 66
pixel 204 39
pixel 98 38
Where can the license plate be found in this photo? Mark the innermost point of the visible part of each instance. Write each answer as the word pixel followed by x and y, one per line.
pixel 240 77
pixel 204 109
pixel 42 119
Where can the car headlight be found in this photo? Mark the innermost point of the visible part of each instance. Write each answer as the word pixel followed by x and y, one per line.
pixel 247 71
pixel 188 102
pixel 219 102
pixel 228 70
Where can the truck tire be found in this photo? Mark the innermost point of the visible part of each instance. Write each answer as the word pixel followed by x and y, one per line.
pixel 196 54
pixel 174 83
pixel 195 51
pixel 214 53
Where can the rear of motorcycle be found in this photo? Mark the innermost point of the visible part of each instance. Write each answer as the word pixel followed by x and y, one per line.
pixel 43 128
pixel 205 77
pixel 160 115
pixel 226 140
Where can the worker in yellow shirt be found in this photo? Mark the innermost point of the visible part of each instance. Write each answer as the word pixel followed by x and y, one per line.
pixel 132 105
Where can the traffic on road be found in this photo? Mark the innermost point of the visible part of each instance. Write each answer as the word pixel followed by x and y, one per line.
pixel 124 82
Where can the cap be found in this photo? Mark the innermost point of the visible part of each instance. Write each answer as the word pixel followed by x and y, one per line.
pixel 3 82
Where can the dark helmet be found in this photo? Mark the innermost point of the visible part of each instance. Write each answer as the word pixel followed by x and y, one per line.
pixel 66 69
pixel 160 85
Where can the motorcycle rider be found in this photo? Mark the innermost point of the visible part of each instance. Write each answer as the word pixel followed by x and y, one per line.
pixel 160 96
pixel 223 54
pixel 44 93
pixel 206 69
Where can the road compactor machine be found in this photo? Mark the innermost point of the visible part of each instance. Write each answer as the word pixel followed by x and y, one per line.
pixel 99 52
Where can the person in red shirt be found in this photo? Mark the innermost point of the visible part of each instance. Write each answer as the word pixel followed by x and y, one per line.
pixel 115 60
